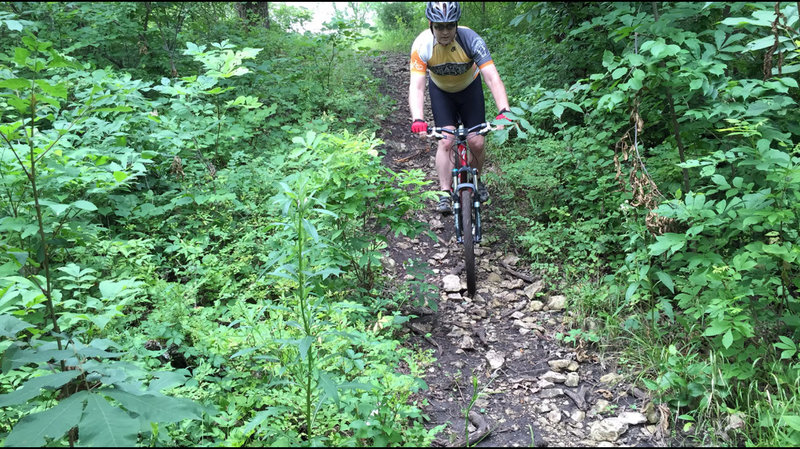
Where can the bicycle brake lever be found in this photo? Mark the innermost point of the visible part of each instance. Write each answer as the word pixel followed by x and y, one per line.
pixel 485 131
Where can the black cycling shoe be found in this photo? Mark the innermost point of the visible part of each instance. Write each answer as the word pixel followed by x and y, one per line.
pixel 445 205
pixel 483 193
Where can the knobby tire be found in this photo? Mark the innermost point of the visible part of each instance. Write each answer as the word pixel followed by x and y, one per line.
pixel 468 236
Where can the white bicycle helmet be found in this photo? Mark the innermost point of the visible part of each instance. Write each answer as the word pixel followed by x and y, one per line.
pixel 443 12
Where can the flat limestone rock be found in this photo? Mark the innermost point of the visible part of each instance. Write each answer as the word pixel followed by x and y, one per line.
pixel 451 283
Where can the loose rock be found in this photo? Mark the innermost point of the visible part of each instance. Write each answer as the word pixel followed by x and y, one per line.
pixel 559 364
pixel 611 379
pixel 495 359
pixel 554 377
pixel 494 278
pixel 572 380
pixel 535 306
pixel 531 290
pixel 650 413
pixel 632 418
pixel 599 407
pixel 452 283
pixel 556 302
pixel 608 429
pixel 551 393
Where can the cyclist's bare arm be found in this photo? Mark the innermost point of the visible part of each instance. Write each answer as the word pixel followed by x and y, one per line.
pixel 496 86
pixel 416 96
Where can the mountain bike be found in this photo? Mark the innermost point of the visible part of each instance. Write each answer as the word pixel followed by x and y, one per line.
pixel 466 201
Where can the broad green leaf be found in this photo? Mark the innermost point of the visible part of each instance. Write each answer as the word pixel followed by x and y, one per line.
pixel 58 90
pixel 791 82
pixel 105 426
pixel 21 56
pixel 558 110
pixel 85 205
pixel 14 357
pixel 631 290
pixel 619 72
pixel 110 289
pixel 264 414
pixel 57 208
pixel 156 407
pixel 33 386
pixel 657 48
pixel 13 25
pixel 114 109
pixel 776 249
pixel 727 339
pixel 328 386
pixel 764 42
pixel 168 379
pixel 666 280
pixel 669 241
pixel 792 420
pixel 120 176
pixel 608 58
pixel 15 84
pixel 570 105
pixel 311 230
pixel 10 326
pixel 717 327
pixel 787 342
pixel 304 345
pixel 741 21
pixel 52 423
pixel 650 384
pixel 635 59
pixel 720 181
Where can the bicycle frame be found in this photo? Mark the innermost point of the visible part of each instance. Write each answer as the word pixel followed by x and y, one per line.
pixel 464 176
pixel 466 203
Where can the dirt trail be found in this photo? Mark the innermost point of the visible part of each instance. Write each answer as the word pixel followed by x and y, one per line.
pixel 534 389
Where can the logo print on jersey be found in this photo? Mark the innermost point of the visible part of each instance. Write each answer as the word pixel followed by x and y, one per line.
pixel 451 68
pixel 416 66
pixel 479 46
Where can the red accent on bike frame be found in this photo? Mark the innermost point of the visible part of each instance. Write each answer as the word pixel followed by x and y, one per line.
pixel 462 154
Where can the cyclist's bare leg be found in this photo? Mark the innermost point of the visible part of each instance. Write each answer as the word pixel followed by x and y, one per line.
pixel 476 146
pixel 444 162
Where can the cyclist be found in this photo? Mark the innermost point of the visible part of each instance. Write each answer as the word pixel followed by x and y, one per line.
pixel 455 56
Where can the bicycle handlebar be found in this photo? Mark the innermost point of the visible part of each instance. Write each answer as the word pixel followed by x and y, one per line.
pixel 482 129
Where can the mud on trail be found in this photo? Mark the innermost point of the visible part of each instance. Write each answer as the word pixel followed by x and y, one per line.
pixel 533 388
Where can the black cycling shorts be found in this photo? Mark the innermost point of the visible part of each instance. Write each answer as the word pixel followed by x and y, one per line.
pixel 449 107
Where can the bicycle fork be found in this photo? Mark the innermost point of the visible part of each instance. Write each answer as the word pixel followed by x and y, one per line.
pixel 461 180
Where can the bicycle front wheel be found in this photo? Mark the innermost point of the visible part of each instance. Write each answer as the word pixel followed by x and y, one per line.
pixel 468 237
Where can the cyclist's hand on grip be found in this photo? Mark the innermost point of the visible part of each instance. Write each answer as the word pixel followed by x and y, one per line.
pixel 502 116
pixel 419 127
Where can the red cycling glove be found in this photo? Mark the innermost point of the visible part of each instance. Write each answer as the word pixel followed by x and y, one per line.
pixel 419 126
pixel 502 116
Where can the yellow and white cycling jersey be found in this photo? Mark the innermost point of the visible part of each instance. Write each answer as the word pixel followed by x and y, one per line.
pixel 454 66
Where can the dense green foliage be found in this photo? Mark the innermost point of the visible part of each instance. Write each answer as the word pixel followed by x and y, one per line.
pixel 192 233
pixel 660 168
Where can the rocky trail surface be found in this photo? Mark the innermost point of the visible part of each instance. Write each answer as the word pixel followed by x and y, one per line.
pixel 531 388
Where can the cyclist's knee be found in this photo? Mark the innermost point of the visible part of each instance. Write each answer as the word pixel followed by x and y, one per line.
pixel 476 143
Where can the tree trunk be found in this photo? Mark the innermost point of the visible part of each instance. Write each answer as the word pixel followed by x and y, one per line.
pixel 254 13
